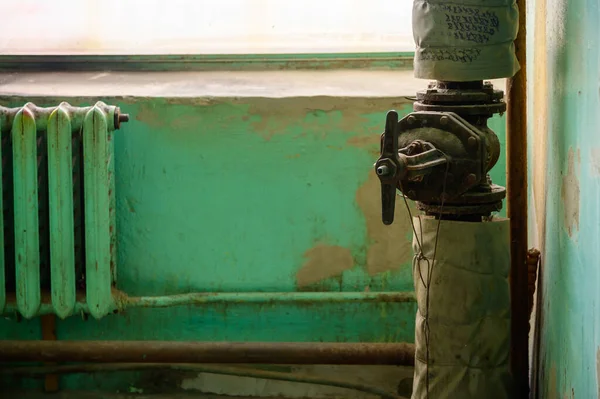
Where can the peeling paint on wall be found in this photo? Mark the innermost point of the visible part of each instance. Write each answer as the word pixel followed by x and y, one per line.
pixel 147 114
pixel 570 192
pixel 552 392
pixel 272 117
pixel 389 246
pixel 323 262
pixel 598 370
pixel 566 166
pixel 595 162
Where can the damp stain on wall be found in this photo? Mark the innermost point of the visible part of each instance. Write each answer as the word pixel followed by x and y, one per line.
pixel 570 192
pixel 323 262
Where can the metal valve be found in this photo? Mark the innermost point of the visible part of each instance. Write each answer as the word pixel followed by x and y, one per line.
pixel 411 163
pixel 440 158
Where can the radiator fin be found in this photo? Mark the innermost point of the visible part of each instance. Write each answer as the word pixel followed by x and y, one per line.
pixel 27 245
pixel 96 164
pixel 62 240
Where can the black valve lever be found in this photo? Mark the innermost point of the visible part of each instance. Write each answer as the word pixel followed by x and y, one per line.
pixel 389 168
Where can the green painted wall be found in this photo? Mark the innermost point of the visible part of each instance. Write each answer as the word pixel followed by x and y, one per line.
pixel 252 195
pixel 565 172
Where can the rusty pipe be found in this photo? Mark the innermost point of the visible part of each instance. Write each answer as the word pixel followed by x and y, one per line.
pixel 208 352
pixel 123 302
pixel 516 168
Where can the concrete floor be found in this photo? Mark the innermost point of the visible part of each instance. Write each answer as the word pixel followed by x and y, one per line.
pixel 393 379
pixel 404 388
pixel 87 395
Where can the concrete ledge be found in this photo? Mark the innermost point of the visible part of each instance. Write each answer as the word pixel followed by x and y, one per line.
pixel 270 84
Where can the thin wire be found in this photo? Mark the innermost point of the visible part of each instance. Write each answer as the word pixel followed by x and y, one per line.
pixel 420 256
pixel 413 226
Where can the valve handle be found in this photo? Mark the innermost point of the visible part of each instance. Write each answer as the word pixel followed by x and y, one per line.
pixel 388 167
pixel 388 203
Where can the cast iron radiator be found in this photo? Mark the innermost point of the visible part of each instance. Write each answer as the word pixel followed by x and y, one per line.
pixel 58 208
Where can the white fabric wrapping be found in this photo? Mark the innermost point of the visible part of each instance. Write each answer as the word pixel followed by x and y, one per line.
pixel 469 311
pixel 465 40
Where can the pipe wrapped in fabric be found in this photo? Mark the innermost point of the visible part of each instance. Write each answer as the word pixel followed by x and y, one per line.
pixel 465 40
pixel 469 310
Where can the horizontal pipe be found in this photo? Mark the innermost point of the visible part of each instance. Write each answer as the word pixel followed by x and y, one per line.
pixel 268 297
pixel 208 352
pixel 123 302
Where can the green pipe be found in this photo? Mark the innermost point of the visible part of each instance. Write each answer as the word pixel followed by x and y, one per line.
pixel 122 302
pixel 268 298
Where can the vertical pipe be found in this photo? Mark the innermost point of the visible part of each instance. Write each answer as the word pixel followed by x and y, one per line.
pixel 97 214
pixel 27 246
pixel 462 344
pixel 516 160
pixel 62 240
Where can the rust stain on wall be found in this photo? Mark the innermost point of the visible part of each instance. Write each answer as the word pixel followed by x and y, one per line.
pixel 552 392
pixel 570 192
pixel 364 141
pixel 389 246
pixel 197 101
pixel 155 117
pixel 598 370
pixel 371 142
pixel 150 116
pixel 323 262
